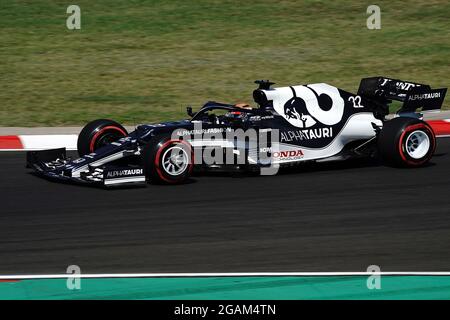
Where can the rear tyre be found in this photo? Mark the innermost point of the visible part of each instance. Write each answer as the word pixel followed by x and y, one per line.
pixel 168 161
pixel 97 134
pixel 406 142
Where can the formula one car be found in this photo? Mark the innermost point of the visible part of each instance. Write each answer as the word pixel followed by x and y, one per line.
pixel 289 125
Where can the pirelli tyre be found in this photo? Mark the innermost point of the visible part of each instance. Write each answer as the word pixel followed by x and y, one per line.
pixel 406 142
pixel 168 161
pixel 98 133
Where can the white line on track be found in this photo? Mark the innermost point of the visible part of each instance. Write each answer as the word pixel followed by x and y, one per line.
pixel 221 274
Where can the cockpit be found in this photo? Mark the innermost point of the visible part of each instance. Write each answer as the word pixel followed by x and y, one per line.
pixel 228 114
pixel 224 114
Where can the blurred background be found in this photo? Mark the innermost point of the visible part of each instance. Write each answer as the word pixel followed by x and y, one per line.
pixel 144 61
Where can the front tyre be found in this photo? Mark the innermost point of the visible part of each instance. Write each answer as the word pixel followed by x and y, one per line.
pixel 406 142
pixel 168 161
pixel 97 134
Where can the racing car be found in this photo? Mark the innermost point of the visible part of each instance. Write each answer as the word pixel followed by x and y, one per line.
pixel 286 126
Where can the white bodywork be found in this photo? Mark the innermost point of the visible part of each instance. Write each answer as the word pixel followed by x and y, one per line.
pixel 358 126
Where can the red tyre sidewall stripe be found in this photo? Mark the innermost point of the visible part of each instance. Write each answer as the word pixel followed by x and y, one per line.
pixel 413 128
pixel 158 154
pixel 92 144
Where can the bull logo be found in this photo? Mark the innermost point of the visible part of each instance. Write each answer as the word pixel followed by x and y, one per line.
pixel 295 108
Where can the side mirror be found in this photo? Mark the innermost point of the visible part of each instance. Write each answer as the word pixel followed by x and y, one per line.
pixel 189 112
pixel 264 84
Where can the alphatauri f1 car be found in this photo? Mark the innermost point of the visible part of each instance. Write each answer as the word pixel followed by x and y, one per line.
pixel 290 125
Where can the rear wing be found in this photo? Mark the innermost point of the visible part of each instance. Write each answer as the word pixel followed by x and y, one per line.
pixel 413 95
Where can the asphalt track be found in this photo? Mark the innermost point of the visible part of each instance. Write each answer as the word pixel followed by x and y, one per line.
pixel 342 217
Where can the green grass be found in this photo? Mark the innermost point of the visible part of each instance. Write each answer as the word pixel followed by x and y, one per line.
pixel 139 61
